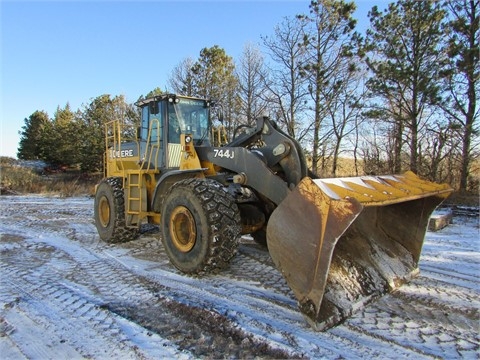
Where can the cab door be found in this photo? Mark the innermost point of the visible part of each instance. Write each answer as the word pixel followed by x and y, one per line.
pixel 152 152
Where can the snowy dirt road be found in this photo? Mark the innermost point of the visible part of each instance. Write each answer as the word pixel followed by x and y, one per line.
pixel 65 294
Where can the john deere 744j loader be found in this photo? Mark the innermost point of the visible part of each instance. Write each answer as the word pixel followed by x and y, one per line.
pixel 338 242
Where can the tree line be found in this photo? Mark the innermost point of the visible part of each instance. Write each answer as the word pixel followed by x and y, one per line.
pixel 402 96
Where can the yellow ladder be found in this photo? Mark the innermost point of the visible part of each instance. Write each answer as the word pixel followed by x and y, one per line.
pixel 136 197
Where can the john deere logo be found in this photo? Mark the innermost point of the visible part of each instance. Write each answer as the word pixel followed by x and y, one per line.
pixel 121 153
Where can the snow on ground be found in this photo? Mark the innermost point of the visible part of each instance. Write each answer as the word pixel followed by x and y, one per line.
pixel 65 294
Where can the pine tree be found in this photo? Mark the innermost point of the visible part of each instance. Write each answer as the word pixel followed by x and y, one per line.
pixel 214 78
pixel 61 138
pixel 404 57
pixel 95 115
pixel 462 77
pixel 31 136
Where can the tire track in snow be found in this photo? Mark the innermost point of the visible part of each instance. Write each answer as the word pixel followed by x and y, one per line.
pixel 250 299
pixel 42 298
pixel 452 278
pixel 102 278
pixel 276 321
pixel 422 323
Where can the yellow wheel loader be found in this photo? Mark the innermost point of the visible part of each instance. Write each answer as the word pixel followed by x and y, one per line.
pixel 339 243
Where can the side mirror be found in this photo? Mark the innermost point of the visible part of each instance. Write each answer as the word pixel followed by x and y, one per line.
pixel 219 112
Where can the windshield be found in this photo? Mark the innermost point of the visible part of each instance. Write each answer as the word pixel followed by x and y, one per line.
pixel 188 116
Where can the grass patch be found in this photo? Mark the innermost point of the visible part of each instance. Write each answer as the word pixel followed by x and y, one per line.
pixel 16 179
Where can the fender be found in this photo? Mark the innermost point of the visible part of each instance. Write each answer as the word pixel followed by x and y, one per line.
pixel 167 180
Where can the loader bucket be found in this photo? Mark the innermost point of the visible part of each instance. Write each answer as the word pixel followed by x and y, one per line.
pixel 343 242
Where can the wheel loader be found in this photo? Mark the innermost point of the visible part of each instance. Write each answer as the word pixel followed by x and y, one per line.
pixel 339 243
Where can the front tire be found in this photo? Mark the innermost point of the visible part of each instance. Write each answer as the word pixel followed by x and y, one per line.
pixel 200 226
pixel 109 212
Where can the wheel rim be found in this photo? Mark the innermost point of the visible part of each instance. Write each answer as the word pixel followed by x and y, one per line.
pixel 104 211
pixel 182 229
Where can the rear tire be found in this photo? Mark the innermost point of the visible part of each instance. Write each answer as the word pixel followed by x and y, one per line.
pixel 109 212
pixel 200 226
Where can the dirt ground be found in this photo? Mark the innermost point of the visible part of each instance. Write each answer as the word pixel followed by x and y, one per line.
pixel 66 294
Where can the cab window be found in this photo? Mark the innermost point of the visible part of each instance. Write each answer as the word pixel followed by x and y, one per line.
pixel 152 122
pixel 187 116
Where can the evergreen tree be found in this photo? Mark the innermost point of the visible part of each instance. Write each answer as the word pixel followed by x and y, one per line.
pixel 154 92
pixel 214 73
pixel 61 138
pixel 462 77
pixel 404 56
pixel 31 136
pixel 215 79
pixel 102 110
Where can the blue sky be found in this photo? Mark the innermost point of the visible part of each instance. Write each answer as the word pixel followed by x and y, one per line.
pixel 63 51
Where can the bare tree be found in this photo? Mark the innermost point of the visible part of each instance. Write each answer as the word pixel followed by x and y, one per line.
pixel 182 78
pixel 344 114
pixel 286 85
pixel 377 147
pixel 251 75
pixel 374 150
pixel 435 148
pixel 328 39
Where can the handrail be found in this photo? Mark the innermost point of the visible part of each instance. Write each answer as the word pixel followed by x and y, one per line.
pixel 114 132
pixel 219 136
pixel 154 124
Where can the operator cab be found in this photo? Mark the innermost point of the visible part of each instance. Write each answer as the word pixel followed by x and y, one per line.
pixel 177 114
pixel 164 118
